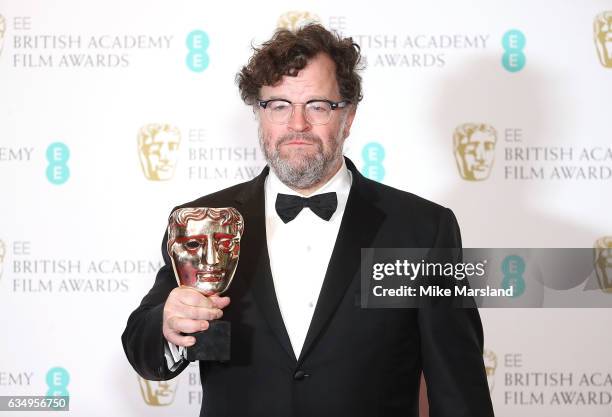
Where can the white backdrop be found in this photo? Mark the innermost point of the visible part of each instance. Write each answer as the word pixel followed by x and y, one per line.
pixel 81 223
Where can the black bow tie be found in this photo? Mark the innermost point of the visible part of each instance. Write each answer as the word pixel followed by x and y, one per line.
pixel 289 206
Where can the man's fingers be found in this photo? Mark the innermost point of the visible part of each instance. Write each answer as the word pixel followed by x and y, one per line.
pixel 191 297
pixel 219 302
pixel 180 340
pixel 188 311
pixel 185 325
pixel 200 313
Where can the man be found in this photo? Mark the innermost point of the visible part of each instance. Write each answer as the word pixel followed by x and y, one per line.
pixel 301 343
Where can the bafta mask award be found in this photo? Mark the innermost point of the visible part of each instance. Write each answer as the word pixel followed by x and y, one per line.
pixel 603 263
pixel 474 149
pixel 204 245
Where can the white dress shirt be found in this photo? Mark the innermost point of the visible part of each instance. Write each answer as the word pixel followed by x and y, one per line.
pixel 299 255
pixel 300 252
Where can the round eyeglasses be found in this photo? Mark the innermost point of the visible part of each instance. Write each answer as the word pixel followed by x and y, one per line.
pixel 316 112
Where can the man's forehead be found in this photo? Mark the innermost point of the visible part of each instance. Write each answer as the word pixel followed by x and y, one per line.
pixel 317 79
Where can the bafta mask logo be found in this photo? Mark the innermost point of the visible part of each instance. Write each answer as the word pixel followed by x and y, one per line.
pixel 603 263
pixel 204 246
pixel 474 149
pixel 602 31
pixel 158 393
pixel 2 254
pixel 490 362
pixel 294 20
pixel 158 146
pixel 2 31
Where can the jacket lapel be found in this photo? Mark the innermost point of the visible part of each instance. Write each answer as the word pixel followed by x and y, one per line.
pixel 255 261
pixel 360 222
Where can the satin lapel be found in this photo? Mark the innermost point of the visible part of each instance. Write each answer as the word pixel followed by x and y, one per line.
pixel 255 261
pixel 359 225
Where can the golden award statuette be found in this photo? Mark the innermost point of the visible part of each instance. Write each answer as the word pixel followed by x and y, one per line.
pixel 204 245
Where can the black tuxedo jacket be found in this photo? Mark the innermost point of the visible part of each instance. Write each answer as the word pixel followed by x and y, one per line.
pixel 354 362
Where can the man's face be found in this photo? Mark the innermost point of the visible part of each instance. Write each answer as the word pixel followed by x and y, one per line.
pixel 301 154
pixel 205 254
pixel 477 155
pixel 160 153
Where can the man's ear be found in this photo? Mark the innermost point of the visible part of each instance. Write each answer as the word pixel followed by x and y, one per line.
pixel 349 121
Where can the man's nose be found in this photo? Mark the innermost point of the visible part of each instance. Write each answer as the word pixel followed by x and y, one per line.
pixel 298 122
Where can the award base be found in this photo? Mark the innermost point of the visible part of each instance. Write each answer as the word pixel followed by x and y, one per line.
pixel 212 344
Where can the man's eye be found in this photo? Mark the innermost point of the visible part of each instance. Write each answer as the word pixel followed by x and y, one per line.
pixel 279 107
pixel 317 107
pixel 192 244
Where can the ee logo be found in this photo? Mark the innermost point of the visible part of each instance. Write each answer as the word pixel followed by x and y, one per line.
pixel 57 381
pixel 373 154
pixel 513 267
pixel 513 43
pixel 57 170
pixel 197 44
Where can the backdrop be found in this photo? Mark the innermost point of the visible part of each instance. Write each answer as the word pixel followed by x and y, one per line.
pixel 114 112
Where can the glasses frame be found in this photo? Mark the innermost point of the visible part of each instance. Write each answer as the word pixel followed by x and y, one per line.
pixel 335 105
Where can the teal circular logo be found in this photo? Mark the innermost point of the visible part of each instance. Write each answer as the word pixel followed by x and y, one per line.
pixel 513 42
pixel 57 155
pixel 373 155
pixel 513 61
pixel 513 268
pixel 57 379
pixel 197 43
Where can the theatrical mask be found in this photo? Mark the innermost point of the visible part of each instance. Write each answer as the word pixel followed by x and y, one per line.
pixel 204 246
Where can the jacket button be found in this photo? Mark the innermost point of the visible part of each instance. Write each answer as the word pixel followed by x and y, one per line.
pixel 299 375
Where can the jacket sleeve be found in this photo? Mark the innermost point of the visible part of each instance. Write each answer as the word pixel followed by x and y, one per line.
pixel 143 340
pixel 451 346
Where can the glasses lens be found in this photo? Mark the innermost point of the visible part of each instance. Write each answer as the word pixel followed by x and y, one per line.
pixel 279 111
pixel 318 112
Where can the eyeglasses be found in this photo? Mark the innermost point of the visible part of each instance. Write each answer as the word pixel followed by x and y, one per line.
pixel 316 112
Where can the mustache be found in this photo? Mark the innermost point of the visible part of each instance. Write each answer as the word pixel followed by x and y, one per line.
pixel 306 137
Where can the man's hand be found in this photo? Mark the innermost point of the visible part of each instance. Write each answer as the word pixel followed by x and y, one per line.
pixel 188 311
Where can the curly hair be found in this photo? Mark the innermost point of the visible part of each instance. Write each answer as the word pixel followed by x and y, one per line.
pixel 287 52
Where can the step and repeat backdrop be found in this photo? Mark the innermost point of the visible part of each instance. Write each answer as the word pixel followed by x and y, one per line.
pixel 112 113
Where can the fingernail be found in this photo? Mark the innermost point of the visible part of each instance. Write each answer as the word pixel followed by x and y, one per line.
pixel 219 313
pixel 204 325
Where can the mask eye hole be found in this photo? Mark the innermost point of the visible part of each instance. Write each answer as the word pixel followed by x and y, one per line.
pixel 192 244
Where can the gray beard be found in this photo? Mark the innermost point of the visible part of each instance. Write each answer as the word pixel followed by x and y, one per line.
pixel 309 170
